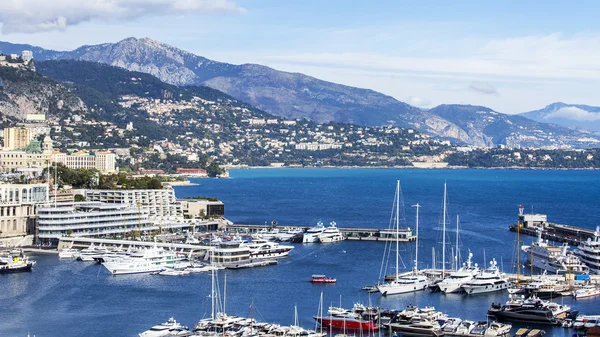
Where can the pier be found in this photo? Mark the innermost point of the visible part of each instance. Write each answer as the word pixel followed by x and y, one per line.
pixel 530 224
pixel 356 234
pixel 80 243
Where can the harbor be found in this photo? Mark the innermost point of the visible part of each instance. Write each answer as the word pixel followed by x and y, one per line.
pixel 59 291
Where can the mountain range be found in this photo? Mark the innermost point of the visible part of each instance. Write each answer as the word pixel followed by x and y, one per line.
pixel 297 96
pixel 579 116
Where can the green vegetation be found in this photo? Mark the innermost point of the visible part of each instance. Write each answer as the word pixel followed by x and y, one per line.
pixel 552 159
pixel 92 179
pixel 199 197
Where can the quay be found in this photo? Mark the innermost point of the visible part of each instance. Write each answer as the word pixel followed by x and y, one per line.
pixel 530 224
pixel 187 249
pixel 356 234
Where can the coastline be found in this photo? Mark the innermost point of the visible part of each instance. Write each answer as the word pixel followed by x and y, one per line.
pixel 419 168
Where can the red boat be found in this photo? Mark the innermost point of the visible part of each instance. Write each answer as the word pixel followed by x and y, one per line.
pixel 346 321
pixel 359 318
pixel 322 279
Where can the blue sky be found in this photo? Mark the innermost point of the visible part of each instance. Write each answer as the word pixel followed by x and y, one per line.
pixel 512 56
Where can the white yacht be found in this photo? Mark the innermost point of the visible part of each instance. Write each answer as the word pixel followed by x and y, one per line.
pixel 455 280
pixel 168 328
pixel 263 249
pixel 147 260
pixel 68 253
pixel 589 252
pixel 554 259
pixel 312 234
pixel 331 234
pixel 404 284
pixel 486 281
pixel 88 254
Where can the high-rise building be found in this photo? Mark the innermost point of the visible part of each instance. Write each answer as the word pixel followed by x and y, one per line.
pixel 16 138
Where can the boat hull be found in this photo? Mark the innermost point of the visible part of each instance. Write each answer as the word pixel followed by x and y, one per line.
pixel 401 289
pixel 11 270
pixel 341 323
pixel 473 290
pixel 510 316
pixel 409 330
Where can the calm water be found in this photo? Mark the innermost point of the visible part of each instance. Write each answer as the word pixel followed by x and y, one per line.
pixel 68 298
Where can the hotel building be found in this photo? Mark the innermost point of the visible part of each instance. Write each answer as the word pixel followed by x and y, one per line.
pixel 90 219
pixel 160 204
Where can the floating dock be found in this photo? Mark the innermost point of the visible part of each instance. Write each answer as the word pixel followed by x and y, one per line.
pixel 530 224
pixel 357 234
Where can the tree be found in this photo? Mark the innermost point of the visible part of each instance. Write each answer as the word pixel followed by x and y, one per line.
pixel 79 197
pixel 214 169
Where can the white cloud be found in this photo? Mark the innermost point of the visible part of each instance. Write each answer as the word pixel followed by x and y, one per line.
pixel 573 113
pixel 418 101
pixel 31 16
pixel 483 87
pixel 547 57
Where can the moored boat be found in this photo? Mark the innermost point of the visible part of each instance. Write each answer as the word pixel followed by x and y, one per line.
pixel 312 234
pixel 331 234
pixel 170 327
pixel 15 263
pixel 322 279
pixel 586 292
pixel 486 281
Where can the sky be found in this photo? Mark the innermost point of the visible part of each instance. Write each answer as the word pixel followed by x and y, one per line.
pixel 511 56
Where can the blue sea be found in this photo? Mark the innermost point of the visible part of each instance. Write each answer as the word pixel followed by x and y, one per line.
pixel 69 298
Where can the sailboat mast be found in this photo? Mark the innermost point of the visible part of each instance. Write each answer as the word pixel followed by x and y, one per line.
pixel 212 290
pixel 444 235
pixel 456 256
pixel 417 206
pixel 397 223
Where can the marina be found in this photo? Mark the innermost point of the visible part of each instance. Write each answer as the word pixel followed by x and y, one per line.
pixel 132 304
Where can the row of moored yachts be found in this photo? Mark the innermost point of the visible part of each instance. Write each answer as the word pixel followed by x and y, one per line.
pixel 174 263
pixel 410 321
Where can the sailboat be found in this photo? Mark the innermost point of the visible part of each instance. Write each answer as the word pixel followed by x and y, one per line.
pixel 408 282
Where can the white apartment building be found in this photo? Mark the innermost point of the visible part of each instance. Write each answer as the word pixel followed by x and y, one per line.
pixel 161 205
pixel 17 207
pixel 90 219
pixel 104 162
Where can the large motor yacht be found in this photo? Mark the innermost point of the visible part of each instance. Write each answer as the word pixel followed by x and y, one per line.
pixel 263 249
pixel 147 260
pixel 589 252
pixel 331 234
pixel 170 327
pixel 455 280
pixel 487 281
pixel 312 234
pixel 554 259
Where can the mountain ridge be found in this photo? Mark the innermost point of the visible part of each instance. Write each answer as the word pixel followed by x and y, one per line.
pixel 579 116
pixel 298 96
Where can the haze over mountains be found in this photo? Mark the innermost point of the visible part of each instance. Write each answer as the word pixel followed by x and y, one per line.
pixel 294 95
pixel 574 115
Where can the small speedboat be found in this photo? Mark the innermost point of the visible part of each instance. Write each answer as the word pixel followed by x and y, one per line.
pixel 322 279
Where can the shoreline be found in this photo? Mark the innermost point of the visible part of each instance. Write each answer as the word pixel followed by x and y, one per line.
pixel 419 168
